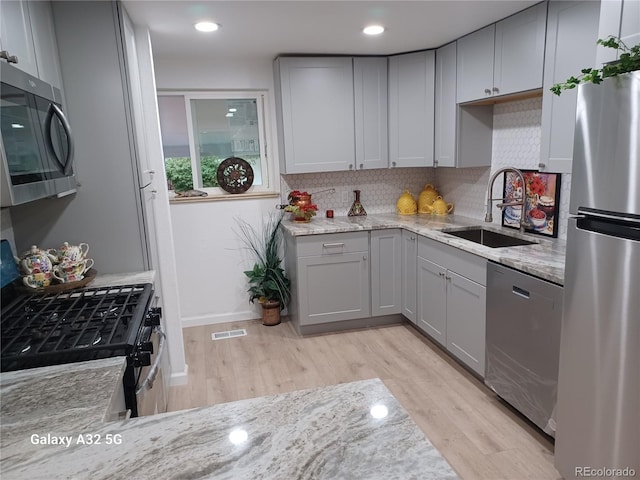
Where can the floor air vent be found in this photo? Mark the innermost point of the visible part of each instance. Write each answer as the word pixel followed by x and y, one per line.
pixel 228 334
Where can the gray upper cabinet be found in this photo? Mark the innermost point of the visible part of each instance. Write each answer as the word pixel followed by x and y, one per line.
pixel 503 58
pixel 17 37
pixel 475 65
pixel 411 109
pixel 445 107
pixel 370 90
pixel 519 51
pixel 315 105
pixel 572 31
pixel 622 19
pixel 463 135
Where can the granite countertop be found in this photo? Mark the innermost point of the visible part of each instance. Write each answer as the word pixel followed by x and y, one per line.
pixel 59 400
pixel 545 259
pixel 115 279
pixel 330 432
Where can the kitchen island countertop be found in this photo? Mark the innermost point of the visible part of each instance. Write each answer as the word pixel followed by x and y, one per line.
pixel 352 430
pixel 545 259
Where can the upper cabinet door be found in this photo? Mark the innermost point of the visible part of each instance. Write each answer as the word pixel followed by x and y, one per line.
pixel 411 109
pixel 519 51
pixel 475 65
pixel 572 31
pixel 45 44
pixel 370 89
pixel 315 109
pixel 503 58
pixel 17 39
pixel 445 107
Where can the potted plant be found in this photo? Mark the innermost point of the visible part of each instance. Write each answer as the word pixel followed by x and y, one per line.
pixel 628 61
pixel 268 282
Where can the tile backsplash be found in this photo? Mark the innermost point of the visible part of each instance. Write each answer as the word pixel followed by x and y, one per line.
pixel 380 188
pixel 516 142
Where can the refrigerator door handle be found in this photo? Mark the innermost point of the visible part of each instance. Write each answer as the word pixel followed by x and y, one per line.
pixel 588 212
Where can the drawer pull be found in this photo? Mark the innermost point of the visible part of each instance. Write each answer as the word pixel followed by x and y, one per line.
pixel 521 292
pixel 333 245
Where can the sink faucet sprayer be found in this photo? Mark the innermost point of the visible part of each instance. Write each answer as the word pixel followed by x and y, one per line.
pixel 489 217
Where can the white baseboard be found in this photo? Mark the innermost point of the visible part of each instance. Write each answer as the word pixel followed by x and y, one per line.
pixel 200 320
pixel 179 378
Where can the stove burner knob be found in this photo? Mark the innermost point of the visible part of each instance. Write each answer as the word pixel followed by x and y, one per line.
pixel 146 347
pixel 152 319
pixel 142 359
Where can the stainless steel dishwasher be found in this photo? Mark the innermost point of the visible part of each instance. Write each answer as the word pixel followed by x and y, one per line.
pixel 523 342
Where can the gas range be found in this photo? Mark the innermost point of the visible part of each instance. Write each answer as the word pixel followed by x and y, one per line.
pixel 48 329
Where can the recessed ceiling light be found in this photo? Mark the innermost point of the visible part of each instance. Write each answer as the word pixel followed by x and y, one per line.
pixel 373 30
pixel 206 26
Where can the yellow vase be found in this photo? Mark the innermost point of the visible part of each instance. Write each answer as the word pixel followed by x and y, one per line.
pixel 406 204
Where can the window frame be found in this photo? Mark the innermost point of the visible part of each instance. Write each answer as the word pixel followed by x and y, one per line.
pixel 267 165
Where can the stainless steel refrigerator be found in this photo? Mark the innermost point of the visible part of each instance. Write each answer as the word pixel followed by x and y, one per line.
pixel 598 411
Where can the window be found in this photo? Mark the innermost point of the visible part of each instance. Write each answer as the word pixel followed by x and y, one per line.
pixel 200 130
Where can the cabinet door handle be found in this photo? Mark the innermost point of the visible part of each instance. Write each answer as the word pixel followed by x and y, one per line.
pixel 333 245
pixel 351 166
pixel 521 292
pixel 361 166
pixel 4 54
pixel 441 274
pixel 487 91
pixel 364 257
pixel 447 277
pixel 393 164
pixel 542 165
pixel 496 90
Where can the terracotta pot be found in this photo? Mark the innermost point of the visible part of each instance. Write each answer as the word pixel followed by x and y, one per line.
pixel 271 313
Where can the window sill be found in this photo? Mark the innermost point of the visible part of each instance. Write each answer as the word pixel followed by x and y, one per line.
pixel 223 197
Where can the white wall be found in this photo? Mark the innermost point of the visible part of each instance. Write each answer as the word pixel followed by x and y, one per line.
pixel 209 257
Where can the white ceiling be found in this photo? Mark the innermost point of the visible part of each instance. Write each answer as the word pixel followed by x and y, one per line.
pixel 259 29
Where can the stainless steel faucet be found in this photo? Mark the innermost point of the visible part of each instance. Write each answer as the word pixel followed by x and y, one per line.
pixel 488 216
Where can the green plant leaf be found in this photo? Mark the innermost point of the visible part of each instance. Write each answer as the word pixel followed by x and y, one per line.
pixel 628 61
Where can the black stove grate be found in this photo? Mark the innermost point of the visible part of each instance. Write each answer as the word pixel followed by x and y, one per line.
pixel 49 329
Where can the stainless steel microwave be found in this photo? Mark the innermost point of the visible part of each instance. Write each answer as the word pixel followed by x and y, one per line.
pixel 36 143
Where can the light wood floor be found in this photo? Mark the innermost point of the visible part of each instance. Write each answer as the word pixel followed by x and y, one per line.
pixel 479 435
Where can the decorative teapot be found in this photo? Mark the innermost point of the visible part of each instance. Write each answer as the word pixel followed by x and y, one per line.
pixel 406 204
pixel 35 260
pixel 70 253
pixel 440 207
pixel 426 198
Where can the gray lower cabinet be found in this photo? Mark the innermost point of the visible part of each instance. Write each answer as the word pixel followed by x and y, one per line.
pixel 409 275
pixel 330 278
pixel 572 31
pixel 386 272
pixel 452 300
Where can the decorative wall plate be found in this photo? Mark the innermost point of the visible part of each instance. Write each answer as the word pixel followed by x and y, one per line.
pixel 235 175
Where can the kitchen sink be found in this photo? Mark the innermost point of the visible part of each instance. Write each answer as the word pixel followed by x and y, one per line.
pixel 489 238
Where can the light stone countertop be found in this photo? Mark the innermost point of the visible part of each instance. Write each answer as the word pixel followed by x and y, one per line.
pixel 115 279
pixel 61 399
pixel 325 433
pixel 544 260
